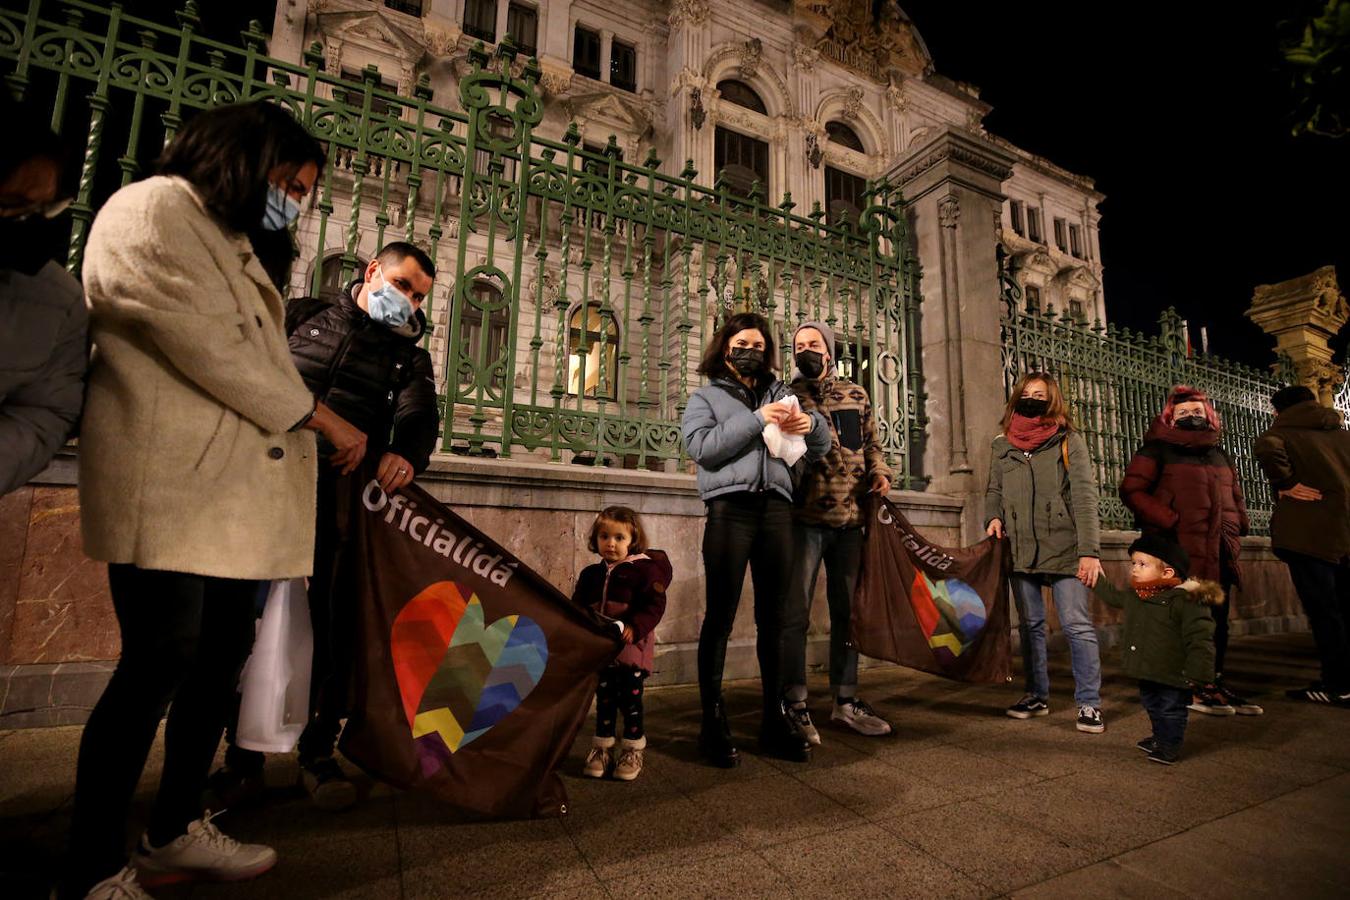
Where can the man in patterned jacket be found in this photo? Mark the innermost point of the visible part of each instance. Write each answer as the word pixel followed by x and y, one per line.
pixel 828 527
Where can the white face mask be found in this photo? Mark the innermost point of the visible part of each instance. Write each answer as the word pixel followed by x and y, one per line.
pixel 388 305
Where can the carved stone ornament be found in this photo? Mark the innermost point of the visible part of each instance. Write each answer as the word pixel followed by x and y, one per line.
pixel 442 42
pixel 853 102
pixel 814 154
pixel 804 56
pixel 895 97
pixel 697 114
pixel 555 81
pixel 688 12
pixel 751 52
pixel 949 211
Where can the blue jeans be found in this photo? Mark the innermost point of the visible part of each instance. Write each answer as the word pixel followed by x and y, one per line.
pixel 1071 602
pixel 1166 708
pixel 841 551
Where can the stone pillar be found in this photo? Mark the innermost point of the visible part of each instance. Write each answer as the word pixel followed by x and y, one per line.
pixel 952 183
pixel 1302 314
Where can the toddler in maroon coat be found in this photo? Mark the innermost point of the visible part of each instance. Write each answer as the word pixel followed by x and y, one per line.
pixel 627 586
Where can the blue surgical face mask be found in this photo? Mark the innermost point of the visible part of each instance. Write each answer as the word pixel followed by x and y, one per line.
pixel 388 305
pixel 281 210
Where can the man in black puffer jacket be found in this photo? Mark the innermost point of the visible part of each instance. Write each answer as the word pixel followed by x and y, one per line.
pixel 361 356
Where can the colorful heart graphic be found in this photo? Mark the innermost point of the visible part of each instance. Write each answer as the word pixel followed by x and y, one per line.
pixel 457 675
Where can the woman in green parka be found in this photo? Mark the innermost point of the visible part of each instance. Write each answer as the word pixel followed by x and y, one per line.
pixel 1043 496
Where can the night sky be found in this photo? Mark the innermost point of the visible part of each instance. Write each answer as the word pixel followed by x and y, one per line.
pixel 1178 113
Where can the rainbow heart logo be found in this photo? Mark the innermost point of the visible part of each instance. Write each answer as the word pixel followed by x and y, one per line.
pixel 459 676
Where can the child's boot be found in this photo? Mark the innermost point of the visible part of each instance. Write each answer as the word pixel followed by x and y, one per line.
pixel 601 757
pixel 629 765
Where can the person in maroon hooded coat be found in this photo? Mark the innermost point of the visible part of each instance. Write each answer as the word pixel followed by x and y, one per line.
pixel 628 587
pixel 1182 484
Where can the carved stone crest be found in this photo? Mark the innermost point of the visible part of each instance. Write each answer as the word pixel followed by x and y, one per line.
pixel 751 52
pixel 853 102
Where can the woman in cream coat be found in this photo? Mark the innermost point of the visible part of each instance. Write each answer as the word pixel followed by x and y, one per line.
pixel 197 474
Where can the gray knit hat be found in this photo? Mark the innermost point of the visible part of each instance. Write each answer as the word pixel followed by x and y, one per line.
pixel 827 333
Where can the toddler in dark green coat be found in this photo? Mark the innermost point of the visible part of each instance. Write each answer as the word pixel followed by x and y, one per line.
pixel 1168 641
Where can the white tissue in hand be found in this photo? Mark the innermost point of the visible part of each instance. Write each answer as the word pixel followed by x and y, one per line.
pixel 787 447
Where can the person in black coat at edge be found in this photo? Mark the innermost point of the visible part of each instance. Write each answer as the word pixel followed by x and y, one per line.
pixel 360 354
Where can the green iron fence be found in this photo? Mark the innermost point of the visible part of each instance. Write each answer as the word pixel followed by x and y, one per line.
pixel 1117 380
pixel 581 287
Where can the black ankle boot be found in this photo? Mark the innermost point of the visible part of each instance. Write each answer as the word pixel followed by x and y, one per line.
pixel 714 741
pixel 777 737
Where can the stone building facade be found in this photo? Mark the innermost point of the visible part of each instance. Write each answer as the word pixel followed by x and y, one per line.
pixel 810 98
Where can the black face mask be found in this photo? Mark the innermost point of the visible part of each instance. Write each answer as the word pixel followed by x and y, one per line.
pixel 747 361
pixel 27 245
pixel 810 363
pixel 1193 423
pixel 1031 407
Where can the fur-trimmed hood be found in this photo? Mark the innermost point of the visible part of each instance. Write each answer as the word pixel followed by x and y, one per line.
pixel 1207 593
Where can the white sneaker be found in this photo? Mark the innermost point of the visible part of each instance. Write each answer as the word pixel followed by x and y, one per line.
pixel 799 717
pixel 203 853
pixel 856 714
pixel 122 886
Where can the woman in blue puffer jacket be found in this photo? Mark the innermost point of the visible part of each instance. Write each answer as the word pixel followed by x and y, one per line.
pixel 748 493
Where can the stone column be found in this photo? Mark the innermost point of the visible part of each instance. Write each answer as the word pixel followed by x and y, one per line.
pixel 1302 314
pixel 952 183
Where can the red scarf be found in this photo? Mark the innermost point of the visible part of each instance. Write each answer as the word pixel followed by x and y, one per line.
pixel 1147 589
pixel 1027 434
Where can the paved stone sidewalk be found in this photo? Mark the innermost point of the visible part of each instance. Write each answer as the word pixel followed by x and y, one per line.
pixel 960 802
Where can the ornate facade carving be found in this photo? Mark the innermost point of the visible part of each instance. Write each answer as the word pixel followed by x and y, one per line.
pixel 949 211
pixel 852 102
pixel 751 52
pixel 687 12
pixel 804 56
pixel 859 35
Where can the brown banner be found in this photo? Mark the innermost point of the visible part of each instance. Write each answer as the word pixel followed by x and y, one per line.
pixel 472 673
pixel 938 609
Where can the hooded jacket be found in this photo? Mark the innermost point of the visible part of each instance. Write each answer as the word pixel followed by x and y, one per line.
pixel 724 434
pixel 1307 444
pixel 1050 513
pixel 632 592
pixel 376 377
pixel 1169 637
pixel 1181 482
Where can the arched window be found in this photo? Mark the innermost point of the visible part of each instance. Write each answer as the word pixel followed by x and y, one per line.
pixel 741 94
pixel 844 136
pixel 330 276
pixel 589 348
pixel 472 321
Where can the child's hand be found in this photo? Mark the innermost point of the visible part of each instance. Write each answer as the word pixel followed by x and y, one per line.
pixel 628 634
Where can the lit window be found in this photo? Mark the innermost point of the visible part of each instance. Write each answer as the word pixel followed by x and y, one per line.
pixel 591 350
pixel 623 66
pixel 843 197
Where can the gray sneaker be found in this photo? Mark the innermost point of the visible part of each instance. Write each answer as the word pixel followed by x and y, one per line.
pixel 203 854
pixel 799 717
pixel 856 714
